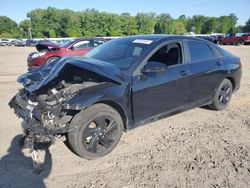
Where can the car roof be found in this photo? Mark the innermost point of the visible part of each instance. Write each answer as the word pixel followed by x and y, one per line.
pixel 162 37
pixel 86 38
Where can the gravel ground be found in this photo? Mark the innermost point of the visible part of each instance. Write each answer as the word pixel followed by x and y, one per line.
pixel 197 148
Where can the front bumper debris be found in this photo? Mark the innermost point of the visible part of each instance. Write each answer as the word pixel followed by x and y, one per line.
pixel 37 135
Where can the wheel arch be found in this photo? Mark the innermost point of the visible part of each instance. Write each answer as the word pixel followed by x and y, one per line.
pixel 231 80
pixel 118 108
pixel 241 40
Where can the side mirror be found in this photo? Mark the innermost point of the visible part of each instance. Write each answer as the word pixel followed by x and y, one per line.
pixel 154 67
pixel 72 48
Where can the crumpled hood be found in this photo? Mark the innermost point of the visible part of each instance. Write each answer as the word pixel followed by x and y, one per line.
pixel 39 77
pixel 45 45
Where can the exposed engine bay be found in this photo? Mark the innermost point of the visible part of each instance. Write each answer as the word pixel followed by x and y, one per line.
pixel 44 113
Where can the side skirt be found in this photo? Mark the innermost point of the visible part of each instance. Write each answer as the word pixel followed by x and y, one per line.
pixel 167 114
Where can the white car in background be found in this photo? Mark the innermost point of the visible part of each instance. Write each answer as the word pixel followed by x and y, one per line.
pixel 5 42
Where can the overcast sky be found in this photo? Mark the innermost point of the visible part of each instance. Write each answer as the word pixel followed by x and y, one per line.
pixel 17 9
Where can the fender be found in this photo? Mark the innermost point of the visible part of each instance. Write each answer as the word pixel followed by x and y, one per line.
pixel 109 93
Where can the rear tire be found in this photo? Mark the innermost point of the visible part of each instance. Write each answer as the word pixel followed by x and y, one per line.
pixel 222 96
pixel 97 131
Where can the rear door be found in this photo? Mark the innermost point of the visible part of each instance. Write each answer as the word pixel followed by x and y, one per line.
pixel 206 69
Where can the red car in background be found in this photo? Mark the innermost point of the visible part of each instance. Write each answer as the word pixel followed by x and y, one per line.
pixel 235 39
pixel 48 51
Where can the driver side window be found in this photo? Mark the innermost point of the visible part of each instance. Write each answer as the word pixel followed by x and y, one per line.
pixel 169 55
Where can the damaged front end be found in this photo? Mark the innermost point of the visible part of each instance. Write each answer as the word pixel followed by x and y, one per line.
pixel 42 103
pixel 44 116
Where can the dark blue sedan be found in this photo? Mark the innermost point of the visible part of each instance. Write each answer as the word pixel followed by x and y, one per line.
pixel 120 85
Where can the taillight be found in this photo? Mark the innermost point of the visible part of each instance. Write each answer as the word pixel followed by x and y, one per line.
pixel 239 63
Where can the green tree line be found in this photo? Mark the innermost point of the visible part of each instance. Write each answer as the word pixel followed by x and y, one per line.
pixel 52 22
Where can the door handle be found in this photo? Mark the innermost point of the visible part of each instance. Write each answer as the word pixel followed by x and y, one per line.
pixel 184 73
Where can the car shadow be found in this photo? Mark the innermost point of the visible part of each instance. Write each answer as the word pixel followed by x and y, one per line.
pixel 16 169
pixel 206 107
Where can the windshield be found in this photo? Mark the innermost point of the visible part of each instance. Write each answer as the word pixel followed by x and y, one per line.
pixel 122 52
pixel 66 43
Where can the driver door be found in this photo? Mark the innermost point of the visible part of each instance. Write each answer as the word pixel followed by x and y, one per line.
pixel 157 93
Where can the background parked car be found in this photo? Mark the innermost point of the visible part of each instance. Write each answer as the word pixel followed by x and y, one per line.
pixel 48 51
pixel 235 39
pixel 31 42
pixel 19 42
pixel 212 39
pixel 5 42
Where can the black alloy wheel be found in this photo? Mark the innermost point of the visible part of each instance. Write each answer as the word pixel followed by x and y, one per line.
pixel 97 131
pixel 100 134
pixel 222 96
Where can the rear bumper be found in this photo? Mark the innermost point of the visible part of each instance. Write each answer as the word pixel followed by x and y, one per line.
pixel 237 79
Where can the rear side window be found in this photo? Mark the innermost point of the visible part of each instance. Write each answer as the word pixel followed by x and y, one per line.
pixel 199 51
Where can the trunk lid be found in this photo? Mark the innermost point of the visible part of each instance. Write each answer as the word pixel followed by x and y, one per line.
pixel 46 45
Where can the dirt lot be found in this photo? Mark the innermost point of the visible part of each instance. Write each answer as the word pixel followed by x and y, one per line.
pixel 197 148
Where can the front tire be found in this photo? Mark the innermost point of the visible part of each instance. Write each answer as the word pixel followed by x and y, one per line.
pixel 222 96
pixel 97 131
pixel 220 43
pixel 51 59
